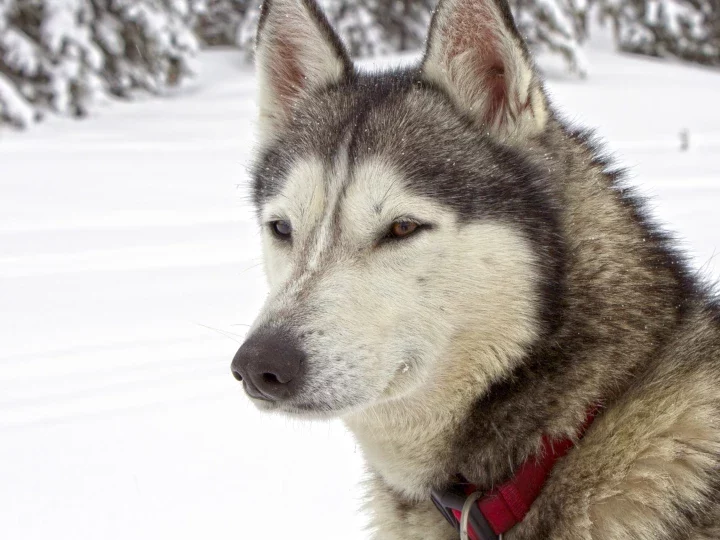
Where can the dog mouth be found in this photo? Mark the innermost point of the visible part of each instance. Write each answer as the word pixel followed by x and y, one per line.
pixel 304 408
pixel 312 411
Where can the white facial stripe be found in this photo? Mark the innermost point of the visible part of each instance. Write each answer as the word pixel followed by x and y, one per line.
pixel 309 200
pixel 334 181
pixel 302 200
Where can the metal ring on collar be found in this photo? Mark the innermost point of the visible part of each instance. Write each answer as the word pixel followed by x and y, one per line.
pixel 465 516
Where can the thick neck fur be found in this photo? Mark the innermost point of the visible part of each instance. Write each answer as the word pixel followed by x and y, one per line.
pixel 613 312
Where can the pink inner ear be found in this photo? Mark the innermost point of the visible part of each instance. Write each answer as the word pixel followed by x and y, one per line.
pixel 474 29
pixel 286 76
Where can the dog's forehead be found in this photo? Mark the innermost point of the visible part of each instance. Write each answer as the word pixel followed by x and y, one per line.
pixel 329 125
pixel 415 131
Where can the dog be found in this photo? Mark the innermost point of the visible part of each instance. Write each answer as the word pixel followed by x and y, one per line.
pixel 465 280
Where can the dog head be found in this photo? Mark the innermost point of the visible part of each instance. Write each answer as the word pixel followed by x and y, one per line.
pixel 408 239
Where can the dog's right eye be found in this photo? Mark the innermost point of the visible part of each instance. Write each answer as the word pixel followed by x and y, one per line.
pixel 281 229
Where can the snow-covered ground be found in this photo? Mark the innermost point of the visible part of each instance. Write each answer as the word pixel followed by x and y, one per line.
pixel 129 269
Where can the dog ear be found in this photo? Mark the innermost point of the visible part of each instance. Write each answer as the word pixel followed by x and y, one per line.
pixel 297 51
pixel 476 54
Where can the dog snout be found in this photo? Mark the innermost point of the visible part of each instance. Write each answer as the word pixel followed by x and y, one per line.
pixel 269 364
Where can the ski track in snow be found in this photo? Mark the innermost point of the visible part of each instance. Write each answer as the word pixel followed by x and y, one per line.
pixel 130 268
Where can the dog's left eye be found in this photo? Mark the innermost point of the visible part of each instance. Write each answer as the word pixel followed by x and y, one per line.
pixel 403 229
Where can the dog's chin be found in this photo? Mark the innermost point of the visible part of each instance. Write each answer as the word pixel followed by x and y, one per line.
pixel 303 410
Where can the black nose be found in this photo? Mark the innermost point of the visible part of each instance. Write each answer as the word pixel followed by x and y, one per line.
pixel 269 364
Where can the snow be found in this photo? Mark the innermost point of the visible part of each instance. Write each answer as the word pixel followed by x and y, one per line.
pixel 130 267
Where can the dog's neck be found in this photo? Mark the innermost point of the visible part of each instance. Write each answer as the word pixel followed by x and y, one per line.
pixel 474 427
pixel 406 441
pixel 483 426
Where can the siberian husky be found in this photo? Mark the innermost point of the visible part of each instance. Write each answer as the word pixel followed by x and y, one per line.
pixel 461 277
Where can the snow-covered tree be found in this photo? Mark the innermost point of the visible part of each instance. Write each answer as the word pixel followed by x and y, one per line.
pixel 370 27
pixel 357 24
pixel 62 55
pixel 380 26
pixel 689 29
pixel 47 55
pixel 222 20
pixel 686 29
pixel 356 21
pixel 147 44
pixel 248 28
pixel 554 25
pixel 367 27
pixel 16 58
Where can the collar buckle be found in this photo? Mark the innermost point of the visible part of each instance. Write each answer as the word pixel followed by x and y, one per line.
pixel 459 509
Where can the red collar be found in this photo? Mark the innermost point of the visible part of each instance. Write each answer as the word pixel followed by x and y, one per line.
pixel 496 512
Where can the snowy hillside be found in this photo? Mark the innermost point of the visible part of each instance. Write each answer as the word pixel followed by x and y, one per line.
pixel 129 269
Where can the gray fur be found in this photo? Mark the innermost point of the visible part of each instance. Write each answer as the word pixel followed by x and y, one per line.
pixel 610 316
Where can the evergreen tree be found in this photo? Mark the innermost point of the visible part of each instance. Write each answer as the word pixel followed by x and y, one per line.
pixel 382 26
pixel 554 25
pixel 248 29
pixel 686 29
pixel 17 60
pixel 62 55
pixel 221 21
pixel 358 26
pixel 367 27
pixel 370 27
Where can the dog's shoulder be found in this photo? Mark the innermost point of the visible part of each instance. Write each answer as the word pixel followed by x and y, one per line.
pixel 650 464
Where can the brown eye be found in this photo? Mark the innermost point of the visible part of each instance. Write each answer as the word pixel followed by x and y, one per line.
pixel 281 229
pixel 401 229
